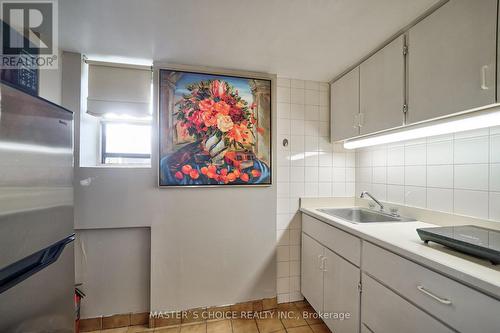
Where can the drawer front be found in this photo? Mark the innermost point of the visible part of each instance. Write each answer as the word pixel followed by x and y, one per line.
pixel 344 244
pixel 461 307
pixel 385 312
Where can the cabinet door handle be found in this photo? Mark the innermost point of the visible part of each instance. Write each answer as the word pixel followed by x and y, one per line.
pixel 361 119
pixel 437 298
pixel 320 261
pixel 323 263
pixel 484 73
pixel 355 121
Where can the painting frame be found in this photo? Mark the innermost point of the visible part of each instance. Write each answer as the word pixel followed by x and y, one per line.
pixel 164 133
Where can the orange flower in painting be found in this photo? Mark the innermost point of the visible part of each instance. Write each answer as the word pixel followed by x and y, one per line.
pixel 240 133
pixel 222 108
pixel 261 131
pixel 179 175
pixel 206 105
pixel 209 118
pixel 204 170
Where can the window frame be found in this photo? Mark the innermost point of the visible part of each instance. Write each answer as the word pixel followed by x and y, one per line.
pixel 104 154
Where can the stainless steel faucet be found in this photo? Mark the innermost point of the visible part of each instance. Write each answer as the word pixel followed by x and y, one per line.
pixel 373 198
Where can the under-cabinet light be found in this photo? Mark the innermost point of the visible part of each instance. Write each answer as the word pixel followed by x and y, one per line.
pixel 481 118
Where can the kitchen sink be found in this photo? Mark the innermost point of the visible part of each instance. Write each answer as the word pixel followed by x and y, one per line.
pixel 361 215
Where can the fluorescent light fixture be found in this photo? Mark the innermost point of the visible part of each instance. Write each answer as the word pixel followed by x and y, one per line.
pixel 460 123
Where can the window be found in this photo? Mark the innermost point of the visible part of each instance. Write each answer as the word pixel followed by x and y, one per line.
pixel 125 142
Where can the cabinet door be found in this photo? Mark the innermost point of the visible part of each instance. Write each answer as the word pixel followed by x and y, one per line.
pixel 312 274
pixel 451 59
pixel 385 312
pixel 382 84
pixel 341 294
pixel 344 106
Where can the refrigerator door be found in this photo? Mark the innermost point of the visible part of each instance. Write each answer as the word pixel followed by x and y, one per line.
pixel 36 214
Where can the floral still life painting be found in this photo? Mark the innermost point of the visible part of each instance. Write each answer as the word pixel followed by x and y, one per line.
pixel 214 130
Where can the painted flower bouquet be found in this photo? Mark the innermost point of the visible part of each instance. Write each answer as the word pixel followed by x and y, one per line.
pixel 213 111
pixel 223 126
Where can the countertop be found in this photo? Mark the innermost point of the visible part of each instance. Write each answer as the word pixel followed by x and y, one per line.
pixel 402 238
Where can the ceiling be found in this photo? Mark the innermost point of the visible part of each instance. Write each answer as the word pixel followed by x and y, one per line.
pixel 306 39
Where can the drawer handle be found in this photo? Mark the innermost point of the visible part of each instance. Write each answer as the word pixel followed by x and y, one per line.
pixel 437 298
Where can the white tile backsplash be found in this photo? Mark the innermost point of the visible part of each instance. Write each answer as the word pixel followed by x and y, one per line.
pixel 494 206
pixel 440 176
pixel 495 177
pixel 471 177
pixel 440 199
pixel 416 196
pixel 309 166
pixel 396 156
pixel 396 194
pixel 471 203
pixel 456 173
pixel 415 175
pixel 415 154
pixel 472 150
pixel 495 149
pixel 440 152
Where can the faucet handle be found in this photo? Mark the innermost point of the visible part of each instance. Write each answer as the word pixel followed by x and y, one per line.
pixel 394 211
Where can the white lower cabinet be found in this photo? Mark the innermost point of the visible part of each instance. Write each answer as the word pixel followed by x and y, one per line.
pixel 340 293
pixel 383 311
pixel 397 295
pixel 311 272
pixel 330 285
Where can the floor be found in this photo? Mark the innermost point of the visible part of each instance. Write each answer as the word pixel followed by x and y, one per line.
pixel 288 318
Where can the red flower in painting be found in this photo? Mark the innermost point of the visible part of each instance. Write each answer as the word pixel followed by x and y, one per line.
pixel 218 88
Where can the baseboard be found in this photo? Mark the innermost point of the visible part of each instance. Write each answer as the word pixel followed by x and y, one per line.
pixel 162 319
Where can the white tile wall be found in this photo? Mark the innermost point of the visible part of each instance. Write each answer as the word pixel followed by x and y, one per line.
pixel 457 173
pixel 310 166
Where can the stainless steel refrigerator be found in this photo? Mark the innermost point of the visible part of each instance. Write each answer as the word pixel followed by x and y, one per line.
pixel 36 214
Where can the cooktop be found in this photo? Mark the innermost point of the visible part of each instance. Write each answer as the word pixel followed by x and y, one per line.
pixel 477 241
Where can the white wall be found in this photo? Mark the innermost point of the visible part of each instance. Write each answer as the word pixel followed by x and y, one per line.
pixel 209 246
pixel 310 166
pixel 457 174
pixel 113 265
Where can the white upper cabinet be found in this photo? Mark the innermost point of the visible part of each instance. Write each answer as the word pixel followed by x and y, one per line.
pixel 451 59
pixel 382 86
pixel 345 106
